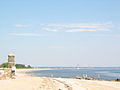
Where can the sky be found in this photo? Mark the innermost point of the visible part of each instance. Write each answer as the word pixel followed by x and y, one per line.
pixel 61 32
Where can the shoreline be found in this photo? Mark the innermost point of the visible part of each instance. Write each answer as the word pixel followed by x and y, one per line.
pixel 25 81
pixel 75 77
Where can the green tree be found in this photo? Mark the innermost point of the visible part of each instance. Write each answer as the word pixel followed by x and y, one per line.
pixel 4 65
pixel 29 66
pixel 22 66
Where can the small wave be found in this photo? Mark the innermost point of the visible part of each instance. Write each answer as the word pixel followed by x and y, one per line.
pixel 103 72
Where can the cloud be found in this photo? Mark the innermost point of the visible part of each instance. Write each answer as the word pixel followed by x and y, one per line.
pixel 29 34
pixel 80 30
pixel 50 29
pixel 77 27
pixel 21 25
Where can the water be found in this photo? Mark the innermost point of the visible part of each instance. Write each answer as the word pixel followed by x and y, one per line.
pixel 102 73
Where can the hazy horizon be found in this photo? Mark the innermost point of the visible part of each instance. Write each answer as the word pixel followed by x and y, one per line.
pixel 61 32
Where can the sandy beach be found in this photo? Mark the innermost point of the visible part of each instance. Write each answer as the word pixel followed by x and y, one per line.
pixel 25 81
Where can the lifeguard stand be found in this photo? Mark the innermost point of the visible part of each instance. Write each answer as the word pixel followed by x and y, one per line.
pixel 11 60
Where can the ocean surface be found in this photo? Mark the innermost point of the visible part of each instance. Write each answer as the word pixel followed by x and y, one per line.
pixel 102 73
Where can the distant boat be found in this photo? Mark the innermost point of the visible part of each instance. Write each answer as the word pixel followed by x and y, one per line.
pixel 78 66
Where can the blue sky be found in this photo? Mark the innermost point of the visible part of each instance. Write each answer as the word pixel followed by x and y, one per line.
pixel 61 32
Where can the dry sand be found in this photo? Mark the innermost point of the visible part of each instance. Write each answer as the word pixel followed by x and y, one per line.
pixel 25 81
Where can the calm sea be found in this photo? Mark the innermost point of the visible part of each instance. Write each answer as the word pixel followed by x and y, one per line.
pixel 102 73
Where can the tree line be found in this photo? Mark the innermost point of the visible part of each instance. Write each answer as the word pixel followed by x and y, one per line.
pixel 5 65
